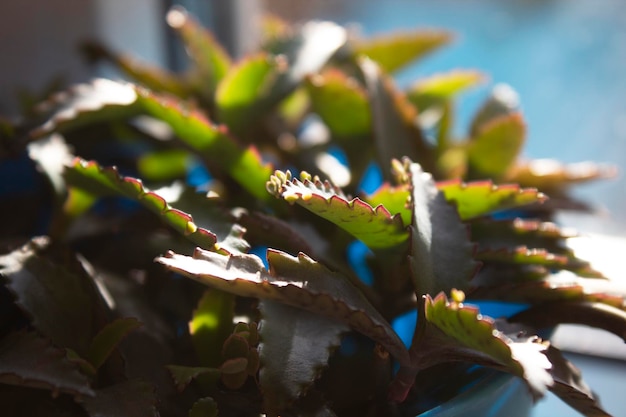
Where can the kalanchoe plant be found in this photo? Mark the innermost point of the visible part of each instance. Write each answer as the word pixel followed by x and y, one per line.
pixel 259 165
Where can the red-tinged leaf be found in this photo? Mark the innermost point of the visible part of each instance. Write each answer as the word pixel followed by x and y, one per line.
pixel 375 227
pixel 393 52
pixel 211 324
pixel 396 134
pixel 134 398
pixel 204 407
pixel 29 360
pixel 596 315
pixel 298 282
pixel 441 252
pixel 552 176
pixel 108 338
pixel 494 149
pixel 481 198
pixel 211 62
pixel 469 330
pixel 394 199
pixel 342 104
pixel 107 181
pixel 183 375
pixel 295 348
pixel 570 387
pixel 39 275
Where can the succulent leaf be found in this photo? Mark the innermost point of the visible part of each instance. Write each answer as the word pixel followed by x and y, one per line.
pixel 375 227
pixel 108 338
pixel 393 52
pixel 204 407
pixel 299 282
pixel 439 88
pixel 211 324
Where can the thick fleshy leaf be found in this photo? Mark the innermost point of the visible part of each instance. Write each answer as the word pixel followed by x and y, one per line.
pixel 394 199
pixel 108 338
pixel 257 84
pixel 375 227
pixel 204 407
pixel 480 198
pixel 495 147
pixel 134 398
pixel 396 134
pixel 341 103
pixel 165 165
pixel 107 181
pixel 211 62
pixel 296 345
pixel 472 331
pixel 502 101
pixel 104 100
pixel 29 360
pixel 441 252
pixel 570 387
pixel 211 324
pixel 39 275
pixel 437 89
pixel 299 282
pixel 183 375
pixel 151 76
pixel 553 176
pixel 392 52
pixel 51 154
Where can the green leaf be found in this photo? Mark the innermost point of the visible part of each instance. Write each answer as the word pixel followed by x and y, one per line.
pixel 392 52
pixel 164 165
pixel 441 252
pixel 375 227
pixel 107 181
pixel 291 362
pixel 53 289
pixel 469 330
pixel 299 282
pixel 204 407
pixel 134 398
pixel 151 76
pixel 108 338
pixel 183 375
pixel 341 103
pixel 440 88
pixel 552 176
pixel 211 324
pixel 503 101
pixel 395 199
pixel 481 198
pixel 254 86
pixel 105 100
pixel 394 118
pixel 29 360
pixel 496 146
pixel 211 62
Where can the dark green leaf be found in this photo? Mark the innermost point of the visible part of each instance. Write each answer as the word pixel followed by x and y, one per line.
pixel 107 181
pixel 211 324
pixel 394 118
pixel 134 398
pixel 183 375
pixel 55 292
pixel 211 62
pixel 108 338
pixel 204 407
pixel 375 227
pixel 29 360
pixel 295 349
pixel 494 149
pixel 392 52
pixel 341 103
pixel 299 282
pixel 441 252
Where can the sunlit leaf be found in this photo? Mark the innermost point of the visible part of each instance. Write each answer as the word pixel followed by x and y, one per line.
pixel 439 88
pixel 107 181
pixel 211 324
pixel 164 165
pixel 394 199
pixel 375 227
pixel 299 282
pixel 108 338
pixel 392 52
pixel 496 145
pixel 28 360
pixel 502 101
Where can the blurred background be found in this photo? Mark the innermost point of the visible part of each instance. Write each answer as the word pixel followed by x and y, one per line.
pixel 566 60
